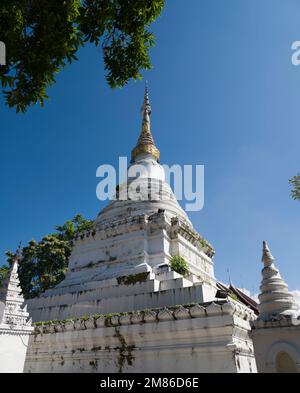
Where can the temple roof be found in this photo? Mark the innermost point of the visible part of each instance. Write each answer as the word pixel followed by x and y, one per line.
pixel 241 296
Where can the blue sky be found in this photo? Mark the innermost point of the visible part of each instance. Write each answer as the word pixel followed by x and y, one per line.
pixel 224 94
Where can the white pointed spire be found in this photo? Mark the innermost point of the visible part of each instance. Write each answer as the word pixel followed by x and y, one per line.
pixel 12 310
pixel 275 298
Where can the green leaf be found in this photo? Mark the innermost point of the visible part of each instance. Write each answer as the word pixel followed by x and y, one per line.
pixel 44 36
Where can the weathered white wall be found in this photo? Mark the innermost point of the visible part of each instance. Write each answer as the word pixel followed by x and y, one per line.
pixel 272 338
pixel 91 302
pixel 129 247
pixel 15 327
pixel 197 339
pixel 13 346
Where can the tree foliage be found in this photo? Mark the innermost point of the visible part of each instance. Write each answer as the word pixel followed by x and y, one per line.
pixel 3 273
pixel 44 264
pixel 43 36
pixel 295 183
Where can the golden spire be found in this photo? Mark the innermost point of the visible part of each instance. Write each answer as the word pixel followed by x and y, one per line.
pixel 146 143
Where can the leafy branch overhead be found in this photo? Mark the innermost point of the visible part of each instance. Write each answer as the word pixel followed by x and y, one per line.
pixel 295 183
pixel 4 270
pixel 44 36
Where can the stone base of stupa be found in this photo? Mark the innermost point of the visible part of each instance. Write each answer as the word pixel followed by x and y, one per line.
pixel 139 291
pixel 195 338
pixel 125 266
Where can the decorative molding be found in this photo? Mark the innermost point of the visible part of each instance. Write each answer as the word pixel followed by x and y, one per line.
pixel 211 309
pixel 179 227
pixel 142 221
pixel 15 316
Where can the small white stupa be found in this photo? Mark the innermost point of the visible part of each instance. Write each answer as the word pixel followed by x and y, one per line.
pixel 275 298
pixel 15 325
pixel 13 312
pixel 276 331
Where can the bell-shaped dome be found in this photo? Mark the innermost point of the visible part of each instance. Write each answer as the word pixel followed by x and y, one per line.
pixel 143 194
pixel 146 190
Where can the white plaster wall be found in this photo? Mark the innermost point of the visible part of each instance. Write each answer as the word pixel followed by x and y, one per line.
pixel 216 343
pixel 104 250
pixel 86 303
pixel 269 342
pixel 198 262
pixel 125 249
pixel 13 348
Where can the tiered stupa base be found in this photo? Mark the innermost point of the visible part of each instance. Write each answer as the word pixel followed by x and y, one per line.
pixel 197 338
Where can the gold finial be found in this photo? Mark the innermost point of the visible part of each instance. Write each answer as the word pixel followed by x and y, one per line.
pixel 145 143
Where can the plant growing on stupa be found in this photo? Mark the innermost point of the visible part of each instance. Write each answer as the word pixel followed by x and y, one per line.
pixel 203 243
pixel 179 265
pixel 234 297
pixel 43 264
pixel 295 183
pixel 42 37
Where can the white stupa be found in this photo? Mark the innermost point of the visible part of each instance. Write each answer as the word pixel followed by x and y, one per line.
pixel 275 298
pixel 152 319
pixel 15 324
pixel 276 331
pixel 124 264
pixel 13 312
